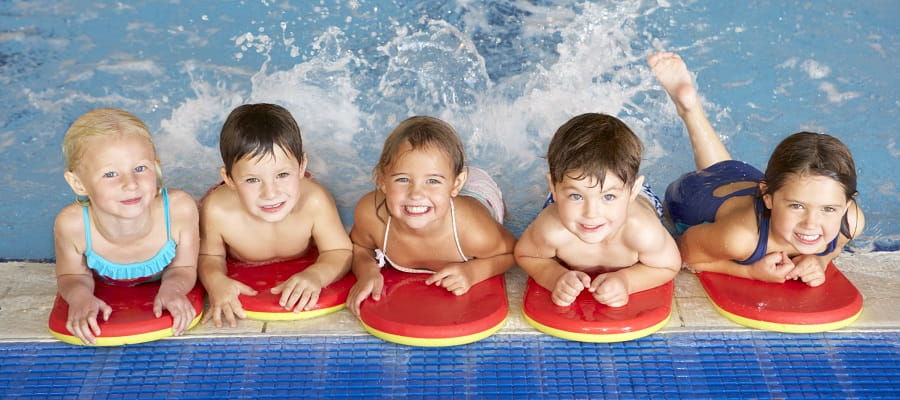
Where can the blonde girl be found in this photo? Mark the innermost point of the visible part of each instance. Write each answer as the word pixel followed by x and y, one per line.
pixel 124 228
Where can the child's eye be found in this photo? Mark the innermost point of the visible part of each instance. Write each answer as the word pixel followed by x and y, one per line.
pixel 575 196
pixel 140 168
pixel 830 209
pixel 609 197
pixel 110 174
pixel 433 181
pixel 251 180
pixel 283 175
pixel 401 180
pixel 795 206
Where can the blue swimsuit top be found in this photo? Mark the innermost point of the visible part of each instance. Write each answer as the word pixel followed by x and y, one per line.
pixel 762 244
pixel 147 270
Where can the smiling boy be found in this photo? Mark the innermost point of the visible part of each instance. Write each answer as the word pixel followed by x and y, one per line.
pixel 267 209
pixel 601 219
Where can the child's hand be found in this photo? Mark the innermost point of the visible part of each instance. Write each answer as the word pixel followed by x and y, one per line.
pixel 178 305
pixel 568 286
pixel 82 320
pixel 808 269
pixel 453 277
pixel 365 286
pixel 610 289
pixel 774 267
pixel 299 290
pixel 223 300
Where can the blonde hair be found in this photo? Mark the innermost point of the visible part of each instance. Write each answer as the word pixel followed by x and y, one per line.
pixel 98 123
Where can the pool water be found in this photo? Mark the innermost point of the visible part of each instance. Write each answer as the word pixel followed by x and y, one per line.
pixel 506 74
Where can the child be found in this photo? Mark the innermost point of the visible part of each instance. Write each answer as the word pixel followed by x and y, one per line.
pixel 600 218
pixel 268 209
pixel 125 228
pixel 788 223
pixel 431 211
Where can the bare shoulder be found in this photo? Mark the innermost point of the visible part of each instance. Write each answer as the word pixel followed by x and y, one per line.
pixel 366 223
pixel 181 202
pixel 643 230
pixel 69 222
pixel 544 236
pixel 315 192
pixel 548 229
pixel 479 233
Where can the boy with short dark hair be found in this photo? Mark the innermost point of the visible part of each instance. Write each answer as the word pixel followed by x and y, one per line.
pixel 600 220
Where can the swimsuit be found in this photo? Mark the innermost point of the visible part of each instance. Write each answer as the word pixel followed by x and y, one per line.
pixel 690 200
pixel 133 273
pixel 479 186
pixel 645 191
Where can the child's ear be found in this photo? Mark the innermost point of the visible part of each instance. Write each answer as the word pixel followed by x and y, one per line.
pixel 459 181
pixel 637 187
pixel 303 164
pixel 552 187
pixel 225 178
pixel 75 183
pixel 767 197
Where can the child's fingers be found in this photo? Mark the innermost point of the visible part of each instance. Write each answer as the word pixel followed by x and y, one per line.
pixel 437 277
pixel 299 299
pixel 597 282
pixel 246 290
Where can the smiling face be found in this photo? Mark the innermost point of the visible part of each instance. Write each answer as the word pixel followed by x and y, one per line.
pixel 419 184
pixel 119 174
pixel 592 211
pixel 268 185
pixel 807 212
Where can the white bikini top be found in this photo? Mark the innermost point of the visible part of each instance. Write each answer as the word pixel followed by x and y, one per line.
pixel 381 254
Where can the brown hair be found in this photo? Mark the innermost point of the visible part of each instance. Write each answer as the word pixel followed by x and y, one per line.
pixel 592 145
pixel 421 132
pixel 808 153
pixel 256 129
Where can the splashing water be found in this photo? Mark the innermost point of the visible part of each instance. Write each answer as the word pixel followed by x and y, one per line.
pixel 504 74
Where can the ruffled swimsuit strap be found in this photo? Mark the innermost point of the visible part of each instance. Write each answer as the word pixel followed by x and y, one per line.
pixel 131 273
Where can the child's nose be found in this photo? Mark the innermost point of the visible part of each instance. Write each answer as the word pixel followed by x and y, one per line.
pixel 268 190
pixel 128 182
pixel 591 209
pixel 416 190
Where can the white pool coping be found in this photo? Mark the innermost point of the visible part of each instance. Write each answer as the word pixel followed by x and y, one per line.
pixel 28 291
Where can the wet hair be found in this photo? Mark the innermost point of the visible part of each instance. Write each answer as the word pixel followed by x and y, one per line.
pixel 255 130
pixel 421 132
pixel 816 154
pixel 101 122
pixel 593 145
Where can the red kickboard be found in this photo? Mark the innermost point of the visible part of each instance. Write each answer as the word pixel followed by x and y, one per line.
pixel 792 302
pixel 644 313
pixel 132 313
pixel 266 276
pixel 409 308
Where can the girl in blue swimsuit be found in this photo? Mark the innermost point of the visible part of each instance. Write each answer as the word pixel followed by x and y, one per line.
pixel 786 223
pixel 124 229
